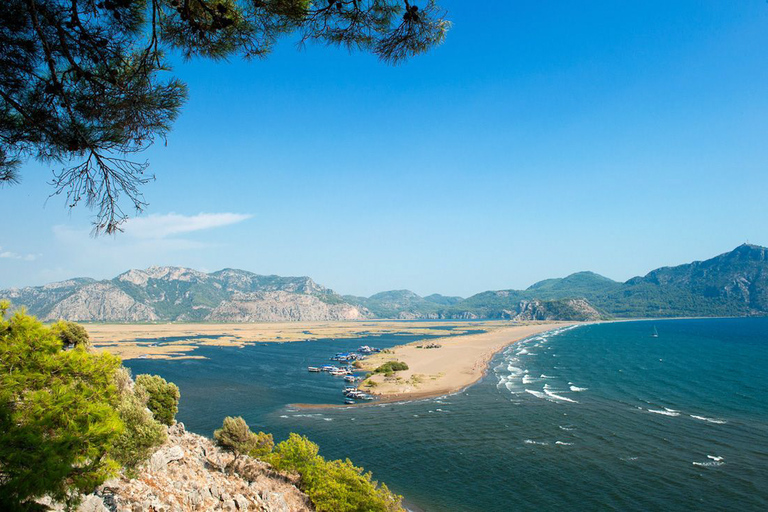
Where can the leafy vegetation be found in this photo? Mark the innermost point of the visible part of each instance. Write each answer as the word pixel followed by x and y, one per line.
pixel 71 334
pixel 162 397
pixel 391 366
pixel 69 419
pixel 58 414
pixel 142 433
pixel 333 486
pixel 235 435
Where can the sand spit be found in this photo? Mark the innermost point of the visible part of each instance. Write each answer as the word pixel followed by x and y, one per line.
pixel 458 363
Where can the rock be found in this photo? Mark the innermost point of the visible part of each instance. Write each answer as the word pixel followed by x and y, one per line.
pixel 229 506
pixel 241 502
pixel 275 502
pixel 161 458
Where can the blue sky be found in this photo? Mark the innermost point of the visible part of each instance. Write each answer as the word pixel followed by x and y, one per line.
pixel 541 139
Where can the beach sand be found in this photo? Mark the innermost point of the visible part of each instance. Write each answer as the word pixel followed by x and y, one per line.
pixel 458 363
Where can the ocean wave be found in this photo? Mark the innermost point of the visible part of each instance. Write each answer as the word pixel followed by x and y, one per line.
pixel 563 443
pixel 577 389
pixel 709 420
pixel 665 412
pixel 567 427
pixel 539 443
pixel 559 397
pixel 714 461
pixel 527 379
pixel 537 394
pixel 546 377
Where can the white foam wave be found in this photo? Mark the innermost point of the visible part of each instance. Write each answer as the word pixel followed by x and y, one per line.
pixel 531 441
pixel 577 389
pixel 537 394
pixel 567 427
pixel 665 412
pixel 563 443
pixel 527 379
pixel 559 397
pixel 709 420
pixel 711 464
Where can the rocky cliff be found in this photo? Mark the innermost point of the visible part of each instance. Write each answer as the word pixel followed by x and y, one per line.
pixel 190 473
pixel 183 294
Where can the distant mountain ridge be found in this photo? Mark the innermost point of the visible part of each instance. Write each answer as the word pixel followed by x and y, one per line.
pixel 185 295
pixel 731 284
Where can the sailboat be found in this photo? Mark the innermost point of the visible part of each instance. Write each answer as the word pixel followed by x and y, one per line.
pixel 655 333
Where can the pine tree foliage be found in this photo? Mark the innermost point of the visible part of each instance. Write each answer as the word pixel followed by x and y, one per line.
pixel 58 419
pixel 71 334
pixel 142 433
pixel 235 435
pixel 162 397
pixel 336 485
pixel 85 84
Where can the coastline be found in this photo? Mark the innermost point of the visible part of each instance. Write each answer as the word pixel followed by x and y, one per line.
pixel 459 363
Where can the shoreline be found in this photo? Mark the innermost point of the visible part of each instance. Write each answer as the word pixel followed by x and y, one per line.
pixel 461 362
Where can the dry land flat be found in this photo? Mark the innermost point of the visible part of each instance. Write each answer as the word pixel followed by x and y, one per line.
pixel 177 341
pixel 456 364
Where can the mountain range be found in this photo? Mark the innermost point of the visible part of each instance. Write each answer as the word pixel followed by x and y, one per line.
pixel 731 284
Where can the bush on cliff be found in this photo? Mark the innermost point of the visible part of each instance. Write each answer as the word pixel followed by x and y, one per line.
pixel 163 397
pixel 58 414
pixel 142 433
pixel 333 486
pixel 235 435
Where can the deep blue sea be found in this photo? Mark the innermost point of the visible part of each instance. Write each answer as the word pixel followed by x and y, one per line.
pixel 598 417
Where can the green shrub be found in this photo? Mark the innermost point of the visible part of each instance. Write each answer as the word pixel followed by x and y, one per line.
pixel 71 334
pixel 163 397
pixel 235 436
pixel 142 432
pixel 391 366
pixel 58 414
pixel 333 486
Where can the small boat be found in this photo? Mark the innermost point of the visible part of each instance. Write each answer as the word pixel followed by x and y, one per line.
pixel 349 401
pixel 655 333
pixel 350 378
pixel 313 368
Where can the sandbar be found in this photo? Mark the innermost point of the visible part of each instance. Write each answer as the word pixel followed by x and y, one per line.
pixel 457 364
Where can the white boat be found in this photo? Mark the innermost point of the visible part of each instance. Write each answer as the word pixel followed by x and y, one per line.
pixel 655 333
pixel 313 369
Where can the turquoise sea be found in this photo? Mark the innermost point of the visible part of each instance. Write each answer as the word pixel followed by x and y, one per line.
pixel 598 417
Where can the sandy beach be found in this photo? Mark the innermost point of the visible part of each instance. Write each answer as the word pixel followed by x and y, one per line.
pixel 458 363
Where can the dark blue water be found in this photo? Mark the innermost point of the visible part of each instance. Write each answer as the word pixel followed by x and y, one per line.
pixel 601 417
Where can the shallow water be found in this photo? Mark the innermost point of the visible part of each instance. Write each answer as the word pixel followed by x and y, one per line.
pixel 597 417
